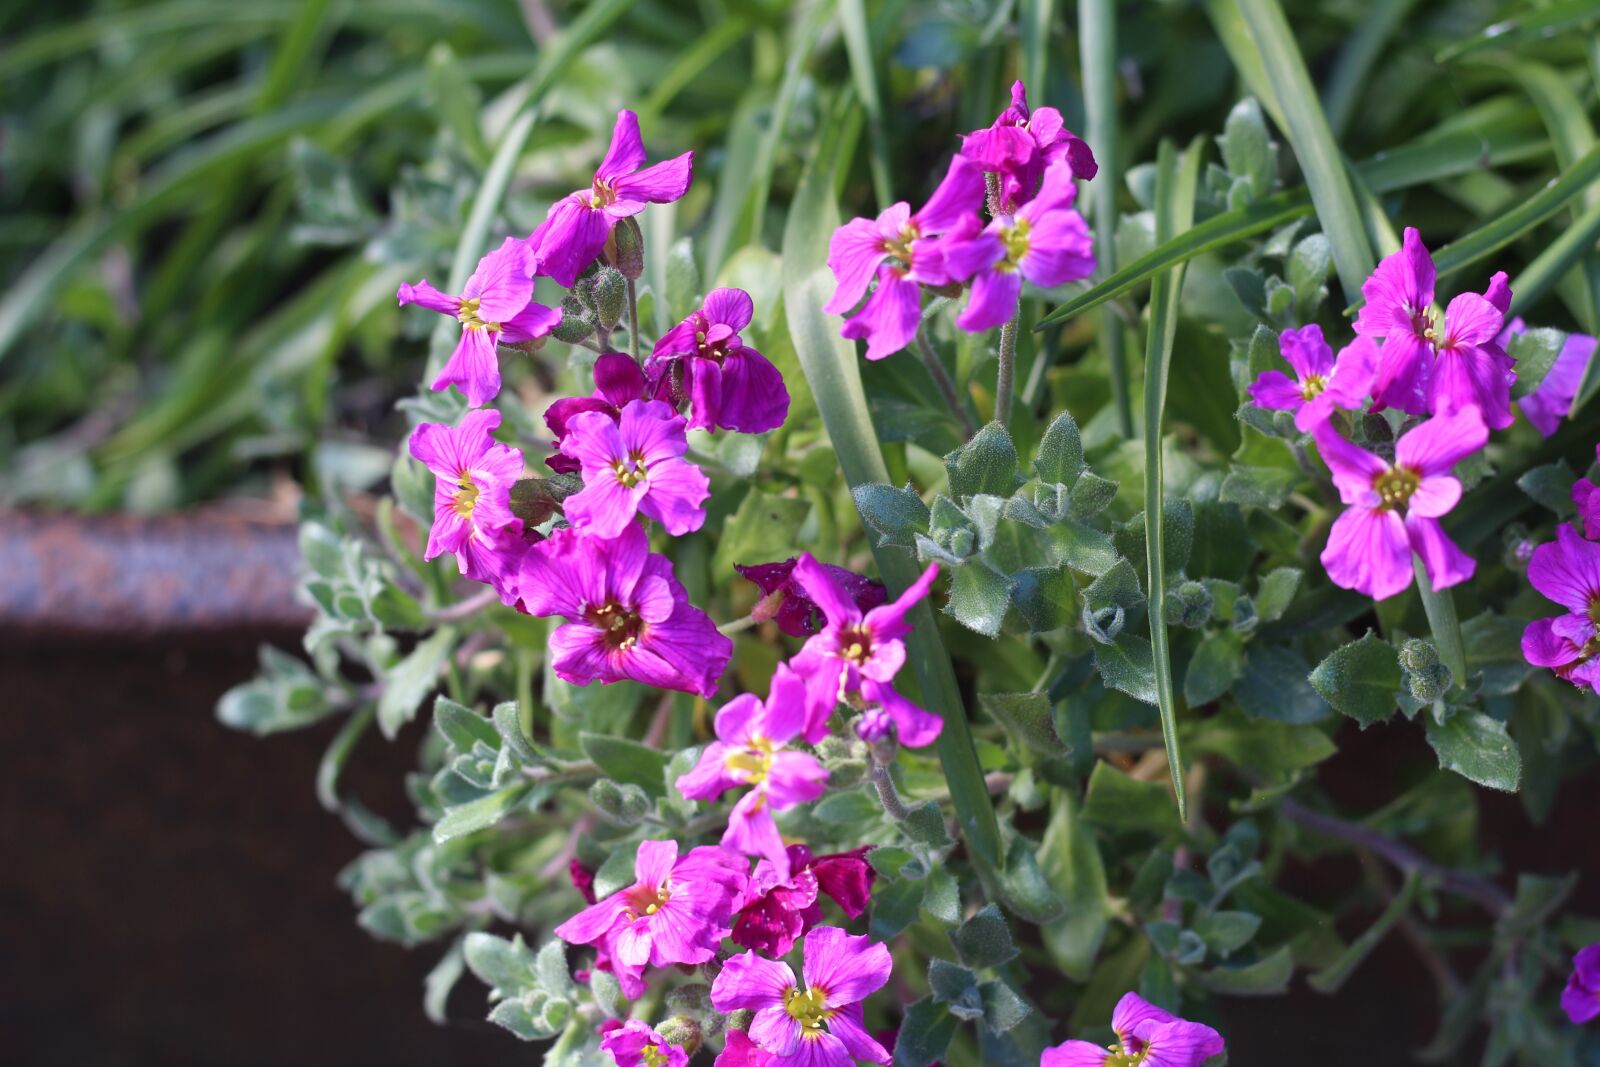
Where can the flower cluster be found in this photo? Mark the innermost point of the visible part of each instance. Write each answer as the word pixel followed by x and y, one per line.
pixel 1146 1035
pixel 1029 163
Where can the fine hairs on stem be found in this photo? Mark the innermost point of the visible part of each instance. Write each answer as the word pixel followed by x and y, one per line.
pixel 1005 377
pixel 633 320
pixel 941 378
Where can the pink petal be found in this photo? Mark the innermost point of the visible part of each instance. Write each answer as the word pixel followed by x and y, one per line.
pixel 795 778
pixel 825 592
pixel 854 252
pixel 1401 286
pixel 1402 375
pixel 474 367
pixel 1180 1043
pixel 593 922
pixel 993 301
pixel 729 307
pixel 1543 647
pixel 1306 351
pixel 1353 467
pixel 1436 495
pixel 1074 1054
pixel 1368 551
pixel 890 317
pixel 749 983
pixel 848 967
pixel 1443 441
pixel 710 777
pixel 959 194
pixel 501 283
pixel 660 184
pixel 915 727
pixel 425 295
pixel 1446 564
pixel 1470 320
pixel 530 324
pixel 677 489
pixel 625 154
pixel 858 1044
pixel 888 620
pixel 1272 389
pixel 1060 249
pixel 754 398
pixel 1567 571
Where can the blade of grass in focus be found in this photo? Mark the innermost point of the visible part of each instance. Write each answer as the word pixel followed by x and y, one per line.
pixel 1097 37
pixel 1320 160
pixel 832 371
pixel 1176 181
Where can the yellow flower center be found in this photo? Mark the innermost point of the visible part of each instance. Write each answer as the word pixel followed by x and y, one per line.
pixel 1119 1057
pixel 621 624
pixel 467 315
pixel 855 645
pixel 808 1009
pixel 1313 386
pixel 1396 486
pixel 753 762
pixel 631 470
pixel 900 247
pixel 653 1056
pixel 601 194
pixel 644 902
pixel 466 495
pixel 1015 240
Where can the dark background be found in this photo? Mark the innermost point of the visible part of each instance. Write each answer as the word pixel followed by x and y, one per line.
pixel 169 891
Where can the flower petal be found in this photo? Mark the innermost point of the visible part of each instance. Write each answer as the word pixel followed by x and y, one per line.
pixel 625 154
pixel 1446 564
pixel 847 967
pixel 1368 551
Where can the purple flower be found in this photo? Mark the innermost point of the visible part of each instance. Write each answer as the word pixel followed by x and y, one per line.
pixel 820 1026
pixel 1146 1035
pixel 678 910
pixel 859 653
pixel 1548 404
pixel 1586 495
pixel 1567 571
pixel 1321 383
pixel 472 495
pixel 618 382
pixel 1581 999
pixel 787 604
pixel 1426 365
pixel 635 1044
pixel 1022 143
pixel 897 246
pixel 778 911
pixel 1395 508
pixel 634 466
pixel 1046 242
pixel 577 226
pixel 740 1051
pixel 496 305
pixel 750 751
pixel 627 615
pixel 728 384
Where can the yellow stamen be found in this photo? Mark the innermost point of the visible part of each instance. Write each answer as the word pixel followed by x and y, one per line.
pixel 1396 485
pixel 808 1009
pixel 466 495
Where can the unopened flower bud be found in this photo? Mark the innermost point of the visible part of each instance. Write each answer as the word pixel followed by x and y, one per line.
pixel 577 321
pixel 625 248
pixel 1189 605
pixel 620 802
pixel 692 999
pixel 684 1032
pixel 1429 684
pixel 1418 655
pixel 741 1019
pixel 1519 546
pixel 1103 625
pixel 610 297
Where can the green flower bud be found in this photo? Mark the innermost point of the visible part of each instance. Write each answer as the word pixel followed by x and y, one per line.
pixel 1418 655
pixel 1429 684
pixel 532 501
pixel 693 999
pixel 620 802
pixel 684 1032
pixel 1189 605
pixel 577 321
pixel 1105 624
pixel 610 297
pixel 625 248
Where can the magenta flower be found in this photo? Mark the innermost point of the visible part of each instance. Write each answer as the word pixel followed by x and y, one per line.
pixel 678 910
pixel 1321 383
pixel 1146 1035
pixel 1046 242
pixel 1581 998
pixel 1586 495
pixel 635 1044
pixel 750 751
pixel 577 226
pixel 786 603
pixel 1022 143
pixel 820 1026
pixel 740 1051
pixel 1567 571
pixel 777 911
pixel 728 384
pixel 634 466
pixel 496 305
pixel 1395 508
pixel 897 246
pixel 618 382
pixel 1426 365
pixel 472 494
pixel 627 615
pixel 1548 404
pixel 859 653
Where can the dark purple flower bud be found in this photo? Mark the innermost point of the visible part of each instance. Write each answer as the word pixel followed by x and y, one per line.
pixel 796 613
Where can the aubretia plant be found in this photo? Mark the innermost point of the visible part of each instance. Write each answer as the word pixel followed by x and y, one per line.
pixel 1009 713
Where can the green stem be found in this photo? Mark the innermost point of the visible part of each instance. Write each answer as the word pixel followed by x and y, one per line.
pixel 633 320
pixel 1440 608
pixel 941 378
pixel 1005 377
pixel 888 792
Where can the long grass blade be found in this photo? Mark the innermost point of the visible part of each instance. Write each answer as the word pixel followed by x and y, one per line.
pixel 1360 52
pixel 1175 190
pixel 1537 25
pixel 857 45
pixel 834 375
pixel 1097 41
pixel 1034 30
pixel 1312 139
